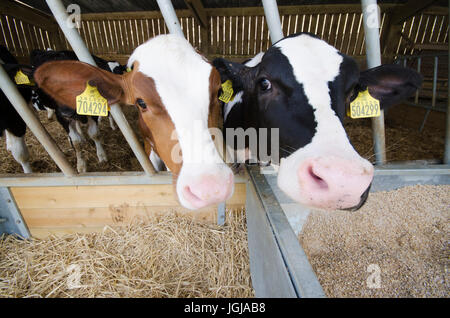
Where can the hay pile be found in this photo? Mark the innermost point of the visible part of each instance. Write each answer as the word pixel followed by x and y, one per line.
pixel 405 234
pixel 165 256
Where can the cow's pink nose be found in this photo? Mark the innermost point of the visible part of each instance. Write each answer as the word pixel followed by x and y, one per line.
pixel 333 183
pixel 208 190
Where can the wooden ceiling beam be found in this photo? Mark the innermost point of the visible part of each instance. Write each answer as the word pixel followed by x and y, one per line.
pixel 409 9
pixel 197 9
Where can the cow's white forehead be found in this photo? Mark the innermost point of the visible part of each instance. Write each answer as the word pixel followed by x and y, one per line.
pixel 181 77
pixel 314 63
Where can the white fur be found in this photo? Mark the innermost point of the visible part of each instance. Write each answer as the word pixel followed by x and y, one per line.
pixel 76 140
pixel 255 60
pixel 113 65
pixel 228 106
pixel 315 63
pixel 181 78
pixel 18 148
pixel 93 133
pixel 50 113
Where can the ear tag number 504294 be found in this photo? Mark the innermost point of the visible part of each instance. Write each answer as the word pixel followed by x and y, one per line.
pixel 364 106
pixel 91 102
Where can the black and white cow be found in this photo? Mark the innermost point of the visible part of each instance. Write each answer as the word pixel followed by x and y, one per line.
pixel 67 116
pixel 302 85
pixel 11 124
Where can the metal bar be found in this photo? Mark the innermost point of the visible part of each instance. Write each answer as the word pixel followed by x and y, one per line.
pixel 419 65
pixel 436 109
pixel 302 275
pixel 83 54
pixel 433 96
pixel 447 125
pixel 373 55
pixel 221 213
pixel 90 179
pixel 170 17
pixel 273 20
pixel 268 271
pixel 17 100
pixel 422 55
pixel 11 220
pixel 392 177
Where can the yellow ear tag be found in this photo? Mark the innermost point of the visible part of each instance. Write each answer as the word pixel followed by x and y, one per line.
pixel 129 69
pixel 91 103
pixel 364 106
pixel 22 79
pixel 227 92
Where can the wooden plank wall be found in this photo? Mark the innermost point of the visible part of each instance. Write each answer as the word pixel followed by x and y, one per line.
pixel 236 33
pixel 23 29
pixel 70 209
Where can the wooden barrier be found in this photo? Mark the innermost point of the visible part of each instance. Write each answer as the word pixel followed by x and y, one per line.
pixel 72 209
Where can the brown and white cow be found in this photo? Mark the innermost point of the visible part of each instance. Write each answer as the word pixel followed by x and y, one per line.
pixel 175 90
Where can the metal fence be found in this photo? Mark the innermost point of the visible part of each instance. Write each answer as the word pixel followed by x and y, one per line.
pixel 433 95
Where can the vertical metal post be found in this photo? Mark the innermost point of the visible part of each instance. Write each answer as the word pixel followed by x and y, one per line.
pixel 83 54
pixel 273 20
pixel 19 103
pixel 434 91
pixel 11 220
pixel 170 17
pixel 373 53
pixel 419 66
pixel 447 127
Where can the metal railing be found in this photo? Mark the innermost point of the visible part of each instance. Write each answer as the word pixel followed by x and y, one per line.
pixel 430 98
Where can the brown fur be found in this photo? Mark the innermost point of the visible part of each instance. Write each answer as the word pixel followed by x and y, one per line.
pixel 64 80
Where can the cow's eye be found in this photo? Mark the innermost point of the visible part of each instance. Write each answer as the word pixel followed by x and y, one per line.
pixel 141 103
pixel 265 84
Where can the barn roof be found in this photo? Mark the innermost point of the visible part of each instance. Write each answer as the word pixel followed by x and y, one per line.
pixel 97 6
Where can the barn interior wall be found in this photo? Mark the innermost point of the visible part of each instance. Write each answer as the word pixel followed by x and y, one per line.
pixel 234 33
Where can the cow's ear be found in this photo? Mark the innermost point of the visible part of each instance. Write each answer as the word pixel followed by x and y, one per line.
pixel 12 69
pixel 65 80
pixel 389 83
pixel 231 71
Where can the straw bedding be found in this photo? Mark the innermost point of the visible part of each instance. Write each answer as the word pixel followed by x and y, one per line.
pixel 165 256
pixel 405 234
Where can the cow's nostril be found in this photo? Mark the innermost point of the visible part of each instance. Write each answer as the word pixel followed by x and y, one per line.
pixel 317 179
pixel 191 197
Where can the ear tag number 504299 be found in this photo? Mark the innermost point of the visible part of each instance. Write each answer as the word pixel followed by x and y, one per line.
pixel 91 102
pixel 364 106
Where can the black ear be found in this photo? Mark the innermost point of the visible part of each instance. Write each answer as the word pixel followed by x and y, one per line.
pixel 390 83
pixel 12 70
pixel 231 71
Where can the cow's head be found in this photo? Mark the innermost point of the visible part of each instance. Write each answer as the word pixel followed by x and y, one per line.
pixel 302 86
pixel 175 90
